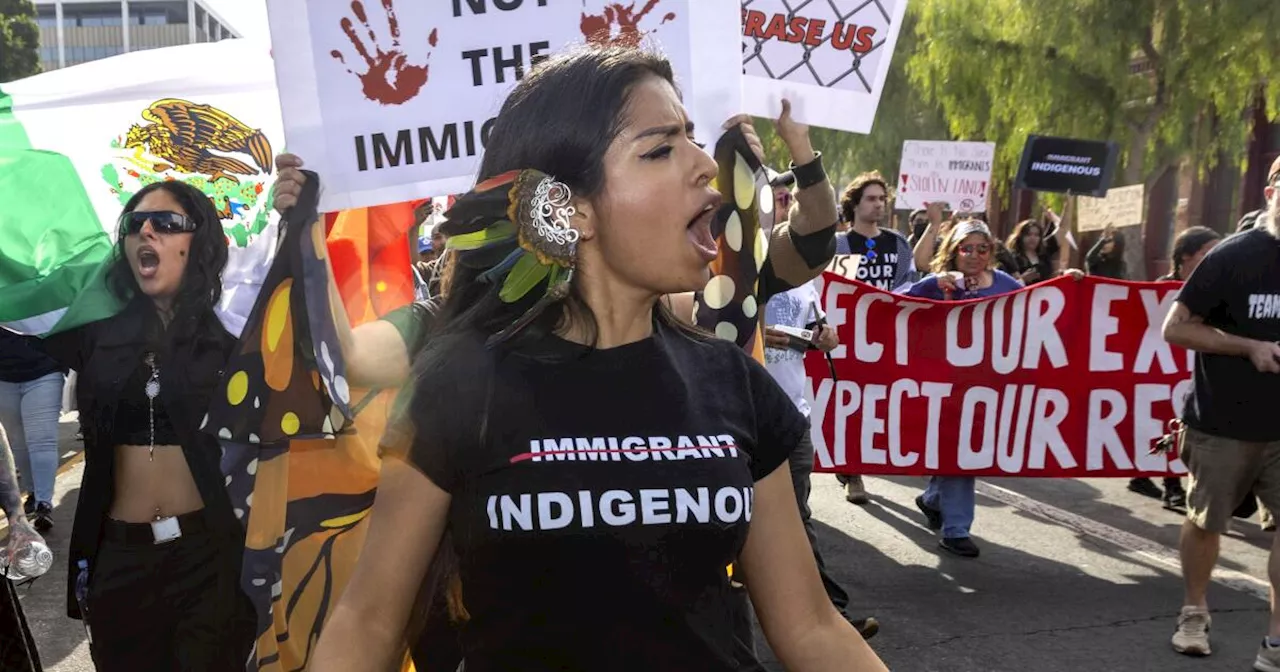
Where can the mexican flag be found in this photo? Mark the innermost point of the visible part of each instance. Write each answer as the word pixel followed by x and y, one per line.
pixel 77 143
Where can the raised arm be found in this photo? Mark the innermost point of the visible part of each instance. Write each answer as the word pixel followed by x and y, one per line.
pixel 799 251
pixel 407 523
pixel 1064 248
pixel 925 247
pixel 375 354
pixel 801 624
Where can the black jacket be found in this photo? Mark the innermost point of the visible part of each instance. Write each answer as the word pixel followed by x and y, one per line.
pixel 105 353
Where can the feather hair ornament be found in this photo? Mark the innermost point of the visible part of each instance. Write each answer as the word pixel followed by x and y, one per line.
pixel 532 210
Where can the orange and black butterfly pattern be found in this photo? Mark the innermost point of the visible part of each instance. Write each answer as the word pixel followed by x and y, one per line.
pixel 301 476
pixel 285 380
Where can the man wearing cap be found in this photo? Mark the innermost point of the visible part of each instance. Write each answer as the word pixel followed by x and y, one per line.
pixel 1228 312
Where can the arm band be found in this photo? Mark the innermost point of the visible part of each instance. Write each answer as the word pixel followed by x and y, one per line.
pixel 810 173
pixel 817 248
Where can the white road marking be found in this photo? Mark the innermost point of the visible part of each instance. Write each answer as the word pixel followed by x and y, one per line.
pixel 1145 548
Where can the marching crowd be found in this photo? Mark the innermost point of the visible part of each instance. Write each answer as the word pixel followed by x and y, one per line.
pixel 557 300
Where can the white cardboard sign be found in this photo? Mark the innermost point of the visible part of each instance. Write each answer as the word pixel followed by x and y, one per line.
pixel 1122 207
pixel 957 173
pixel 830 58
pixel 391 100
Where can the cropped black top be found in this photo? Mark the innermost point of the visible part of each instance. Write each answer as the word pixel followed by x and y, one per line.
pixel 132 425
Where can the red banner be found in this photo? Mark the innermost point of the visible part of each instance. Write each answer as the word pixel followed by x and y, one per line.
pixel 1063 379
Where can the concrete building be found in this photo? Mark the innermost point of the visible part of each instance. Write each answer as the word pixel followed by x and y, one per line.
pixel 76 31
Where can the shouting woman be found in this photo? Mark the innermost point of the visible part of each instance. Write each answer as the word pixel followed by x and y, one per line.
pixel 596 463
pixel 155 546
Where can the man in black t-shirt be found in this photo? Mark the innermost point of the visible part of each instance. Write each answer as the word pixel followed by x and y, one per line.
pixel 887 262
pixel 1228 312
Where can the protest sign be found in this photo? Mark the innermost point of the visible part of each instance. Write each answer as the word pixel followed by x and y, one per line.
pixel 394 100
pixel 829 58
pixel 1065 165
pixel 1064 379
pixel 957 173
pixel 1122 207
pixel 845 265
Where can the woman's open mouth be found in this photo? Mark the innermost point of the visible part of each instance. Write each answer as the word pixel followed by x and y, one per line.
pixel 699 232
pixel 148 262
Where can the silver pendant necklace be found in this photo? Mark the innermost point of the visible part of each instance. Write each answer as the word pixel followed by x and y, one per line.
pixel 152 390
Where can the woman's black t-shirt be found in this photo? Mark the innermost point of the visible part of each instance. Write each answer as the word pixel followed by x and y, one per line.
pixel 598 498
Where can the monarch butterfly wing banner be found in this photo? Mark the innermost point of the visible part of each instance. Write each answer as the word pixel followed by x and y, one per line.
pixel 831 58
pixel 300 445
pixel 393 100
pixel 77 143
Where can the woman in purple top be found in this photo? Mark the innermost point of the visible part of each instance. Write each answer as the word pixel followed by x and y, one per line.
pixel 963 269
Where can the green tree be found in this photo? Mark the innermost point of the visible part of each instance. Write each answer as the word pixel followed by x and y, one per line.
pixel 1167 79
pixel 19 40
pixel 903 114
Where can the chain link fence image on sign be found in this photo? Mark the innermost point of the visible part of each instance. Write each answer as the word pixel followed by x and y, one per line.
pixel 776 58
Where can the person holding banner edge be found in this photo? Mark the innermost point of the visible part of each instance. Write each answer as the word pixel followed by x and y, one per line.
pixel 963 269
pixel 1189 248
pixel 1226 313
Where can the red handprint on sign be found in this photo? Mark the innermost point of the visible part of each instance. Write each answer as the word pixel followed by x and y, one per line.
pixel 390 78
pixel 618 24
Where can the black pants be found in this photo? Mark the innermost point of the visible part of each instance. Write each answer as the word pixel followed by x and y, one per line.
pixel 167 607
pixel 801 461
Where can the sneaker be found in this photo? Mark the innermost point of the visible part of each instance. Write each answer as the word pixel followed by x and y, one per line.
pixel 932 516
pixel 29 505
pixel 854 491
pixel 1268 659
pixel 1174 496
pixel 44 517
pixel 1192 636
pixel 869 626
pixel 1144 487
pixel 961 546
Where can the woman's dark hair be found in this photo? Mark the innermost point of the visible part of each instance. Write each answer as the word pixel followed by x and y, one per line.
pixel 852 195
pixel 202 281
pixel 1188 243
pixel 561 120
pixel 1014 243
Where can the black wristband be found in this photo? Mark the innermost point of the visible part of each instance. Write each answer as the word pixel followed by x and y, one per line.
pixel 817 248
pixel 810 173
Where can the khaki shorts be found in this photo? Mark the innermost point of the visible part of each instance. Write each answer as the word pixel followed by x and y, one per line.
pixel 1223 472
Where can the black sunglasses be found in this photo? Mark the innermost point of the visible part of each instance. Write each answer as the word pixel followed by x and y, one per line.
pixel 161 222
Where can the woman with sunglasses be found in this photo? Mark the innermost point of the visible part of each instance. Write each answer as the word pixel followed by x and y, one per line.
pixel 963 269
pixel 155 547
pixel 552 327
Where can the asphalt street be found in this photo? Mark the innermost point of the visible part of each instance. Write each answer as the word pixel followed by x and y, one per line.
pixel 1075 576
